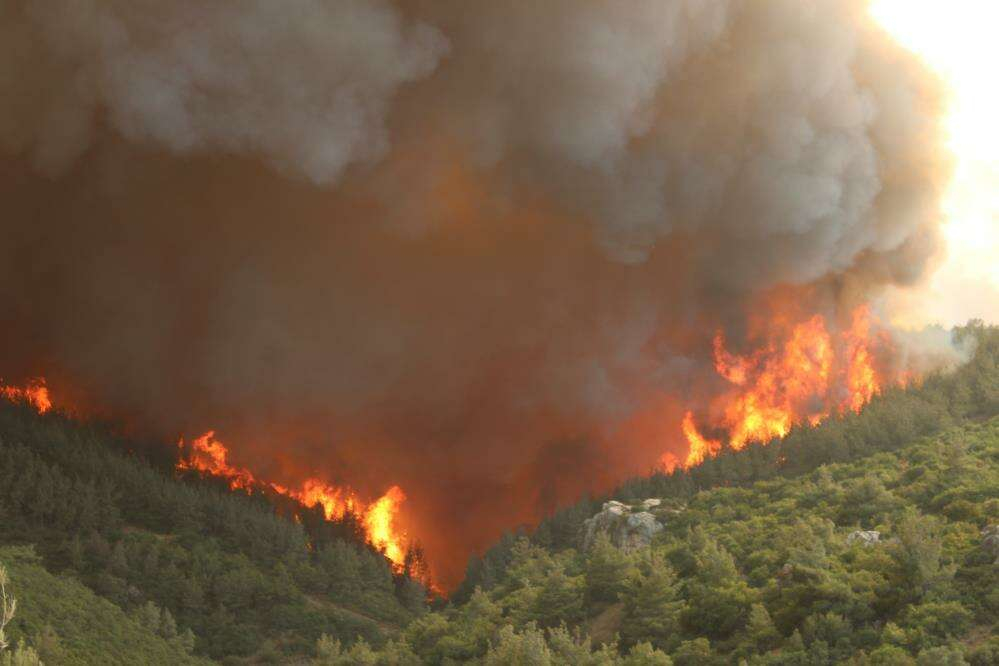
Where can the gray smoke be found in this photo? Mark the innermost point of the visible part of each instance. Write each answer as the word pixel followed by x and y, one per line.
pixel 305 84
pixel 457 248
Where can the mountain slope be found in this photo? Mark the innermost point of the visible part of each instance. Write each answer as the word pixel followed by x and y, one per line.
pixel 768 555
pixel 226 565
pixel 87 629
pixel 758 560
pixel 773 573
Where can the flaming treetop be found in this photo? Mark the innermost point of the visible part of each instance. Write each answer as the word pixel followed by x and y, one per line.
pixel 801 373
pixel 207 455
pixel 34 393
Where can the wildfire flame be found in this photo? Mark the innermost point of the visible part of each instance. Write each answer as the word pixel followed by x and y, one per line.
pixel 800 373
pixel 34 393
pixel 700 446
pixel 800 376
pixel 207 455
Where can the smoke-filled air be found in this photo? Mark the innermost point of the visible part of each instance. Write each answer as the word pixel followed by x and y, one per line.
pixel 452 269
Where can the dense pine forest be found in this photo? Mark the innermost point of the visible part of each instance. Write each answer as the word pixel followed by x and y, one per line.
pixel 217 573
pixel 870 539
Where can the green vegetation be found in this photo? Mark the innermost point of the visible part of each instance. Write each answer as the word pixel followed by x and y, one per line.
pixel 90 630
pixel 766 574
pixel 756 564
pixel 759 562
pixel 223 571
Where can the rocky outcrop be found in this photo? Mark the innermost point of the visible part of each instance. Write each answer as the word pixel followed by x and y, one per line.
pixel 628 528
pixel 864 537
pixel 990 541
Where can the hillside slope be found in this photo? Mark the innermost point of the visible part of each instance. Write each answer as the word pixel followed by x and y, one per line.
pixel 248 582
pixel 773 573
pixel 71 625
pixel 759 560
pixel 870 539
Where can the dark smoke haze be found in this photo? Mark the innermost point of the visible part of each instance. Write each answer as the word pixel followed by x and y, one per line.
pixel 478 253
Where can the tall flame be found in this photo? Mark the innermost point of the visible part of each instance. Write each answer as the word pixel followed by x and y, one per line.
pixel 34 393
pixel 379 519
pixel 210 456
pixel 700 446
pixel 777 383
pixel 207 455
pixel 862 380
pixel 799 376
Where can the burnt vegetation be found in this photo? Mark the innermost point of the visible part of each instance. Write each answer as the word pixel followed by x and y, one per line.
pixel 754 563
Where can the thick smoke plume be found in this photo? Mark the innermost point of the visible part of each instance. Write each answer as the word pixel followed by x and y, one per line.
pixel 478 252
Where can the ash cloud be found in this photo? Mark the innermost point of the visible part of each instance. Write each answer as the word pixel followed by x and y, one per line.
pixel 410 242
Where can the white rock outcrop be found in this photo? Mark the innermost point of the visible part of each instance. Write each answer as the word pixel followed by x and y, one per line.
pixel 627 529
pixel 865 537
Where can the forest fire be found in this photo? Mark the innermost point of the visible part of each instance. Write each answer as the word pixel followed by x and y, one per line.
pixel 800 369
pixel 34 393
pixel 801 373
pixel 207 455
pixel 439 265
pixel 700 446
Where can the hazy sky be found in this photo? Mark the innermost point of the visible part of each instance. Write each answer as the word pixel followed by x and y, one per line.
pixel 957 39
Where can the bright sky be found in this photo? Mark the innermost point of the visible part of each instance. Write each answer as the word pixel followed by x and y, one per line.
pixel 958 39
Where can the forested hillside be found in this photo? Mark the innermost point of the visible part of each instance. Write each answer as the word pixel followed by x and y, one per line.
pixel 229 575
pixel 761 560
pixel 766 556
pixel 91 630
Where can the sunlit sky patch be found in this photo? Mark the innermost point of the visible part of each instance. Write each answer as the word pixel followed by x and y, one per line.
pixel 957 39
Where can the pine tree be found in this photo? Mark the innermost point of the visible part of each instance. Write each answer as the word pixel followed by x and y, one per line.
pixel 653 606
pixel 606 571
pixel 718 596
pixel 697 652
pixel 760 630
pixel 560 599
pixel 527 648
pixel 644 654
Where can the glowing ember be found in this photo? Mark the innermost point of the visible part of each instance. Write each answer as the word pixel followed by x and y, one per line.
pixel 34 393
pixel 796 376
pixel 207 455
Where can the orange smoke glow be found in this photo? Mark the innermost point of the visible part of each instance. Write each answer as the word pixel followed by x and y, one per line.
pixel 207 455
pixel 801 373
pixel 34 393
